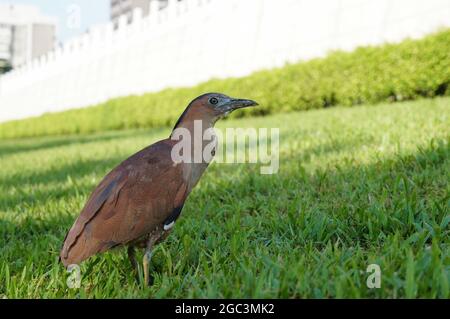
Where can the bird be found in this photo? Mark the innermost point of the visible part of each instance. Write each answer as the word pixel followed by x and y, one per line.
pixel 137 204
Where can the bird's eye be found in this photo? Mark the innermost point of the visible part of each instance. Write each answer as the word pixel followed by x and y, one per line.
pixel 213 101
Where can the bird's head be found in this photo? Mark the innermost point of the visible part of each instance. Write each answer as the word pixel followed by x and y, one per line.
pixel 221 104
pixel 213 106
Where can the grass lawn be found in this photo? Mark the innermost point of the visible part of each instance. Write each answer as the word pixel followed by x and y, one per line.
pixel 356 186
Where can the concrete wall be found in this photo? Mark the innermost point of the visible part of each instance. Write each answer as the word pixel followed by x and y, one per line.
pixel 195 40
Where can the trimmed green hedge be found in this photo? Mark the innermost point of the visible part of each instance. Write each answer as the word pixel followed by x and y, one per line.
pixel 391 72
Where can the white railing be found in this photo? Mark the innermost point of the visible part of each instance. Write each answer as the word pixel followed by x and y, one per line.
pixel 195 40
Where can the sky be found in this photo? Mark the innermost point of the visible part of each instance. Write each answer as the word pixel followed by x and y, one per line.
pixel 66 12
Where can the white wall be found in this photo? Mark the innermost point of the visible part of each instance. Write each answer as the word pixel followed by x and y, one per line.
pixel 196 40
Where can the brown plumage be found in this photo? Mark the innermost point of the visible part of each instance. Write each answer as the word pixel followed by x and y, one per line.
pixel 138 202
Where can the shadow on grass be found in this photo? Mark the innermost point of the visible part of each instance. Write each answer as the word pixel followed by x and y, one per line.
pixel 394 195
pixel 83 168
pixel 9 147
pixel 80 169
pixel 52 177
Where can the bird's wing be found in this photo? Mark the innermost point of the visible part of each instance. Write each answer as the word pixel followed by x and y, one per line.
pixel 138 195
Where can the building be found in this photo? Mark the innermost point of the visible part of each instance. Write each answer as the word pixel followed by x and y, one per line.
pixel 25 33
pixel 126 7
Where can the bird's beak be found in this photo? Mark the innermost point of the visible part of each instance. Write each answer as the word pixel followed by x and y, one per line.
pixel 235 104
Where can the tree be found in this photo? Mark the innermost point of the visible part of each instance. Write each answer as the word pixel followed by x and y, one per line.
pixel 5 66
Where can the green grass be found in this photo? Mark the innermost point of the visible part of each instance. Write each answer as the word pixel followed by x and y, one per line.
pixel 403 71
pixel 356 186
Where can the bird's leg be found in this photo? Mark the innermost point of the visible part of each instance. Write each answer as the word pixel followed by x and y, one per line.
pixel 153 238
pixel 132 257
pixel 146 264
